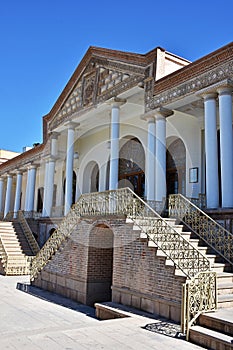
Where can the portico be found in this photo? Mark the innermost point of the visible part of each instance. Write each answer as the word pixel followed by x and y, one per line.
pixel 107 103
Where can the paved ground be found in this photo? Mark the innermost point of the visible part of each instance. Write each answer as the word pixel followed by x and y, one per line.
pixel 35 319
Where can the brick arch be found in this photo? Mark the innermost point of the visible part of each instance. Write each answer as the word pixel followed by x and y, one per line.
pixel 100 264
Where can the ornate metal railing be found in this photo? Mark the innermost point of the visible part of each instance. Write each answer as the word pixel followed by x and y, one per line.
pixel 204 226
pixel 32 214
pixel 200 202
pixel 28 233
pixel 3 255
pixel 199 295
pixel 55 240
pixel 9 216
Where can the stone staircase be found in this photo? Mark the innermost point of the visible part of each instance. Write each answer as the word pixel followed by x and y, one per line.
pixel 224 275
pixel 15 252
pixel 213 330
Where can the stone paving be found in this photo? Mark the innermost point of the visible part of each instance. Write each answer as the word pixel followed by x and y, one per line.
pixel 31 318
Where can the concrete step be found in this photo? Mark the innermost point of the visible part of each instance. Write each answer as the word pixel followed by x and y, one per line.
pixel 218 267
pixel 224 277
pixel 225 300
pixel 220 321
pixel 225 288
pixel 209 338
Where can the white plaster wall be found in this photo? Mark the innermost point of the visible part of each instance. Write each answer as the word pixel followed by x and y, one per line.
pixel 187 128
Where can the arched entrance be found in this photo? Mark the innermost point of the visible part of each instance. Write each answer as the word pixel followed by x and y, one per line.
pixel 100 265
pixel 132 166
pixel 91 177
pixel 176 167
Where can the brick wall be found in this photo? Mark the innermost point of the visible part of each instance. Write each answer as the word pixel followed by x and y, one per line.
pixel 84 267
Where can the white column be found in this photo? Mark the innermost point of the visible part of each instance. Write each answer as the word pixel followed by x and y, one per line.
pixel 32 183
pixel 114 150
pixel 211 150
pixel 1 194
pixel 150 159
pixel 160 174
pixel 17 193
pixel 8 195
pixel 48 189
pixel 27 190
pixel 44 210
pixel 226 145
pixel 69 167
pixel 49 177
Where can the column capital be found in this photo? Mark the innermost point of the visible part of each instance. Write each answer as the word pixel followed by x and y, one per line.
pixel 54 135
pixel 32 166
pixel 72 125
pixel 50 158
pixel 225 90
pixel 162 112
pixel 209 96
pixel 149 116
pixel 116 102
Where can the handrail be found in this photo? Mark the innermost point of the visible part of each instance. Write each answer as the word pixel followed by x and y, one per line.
pixel 55 240
pixel 3 255
pixel 28 233
pixel 216 236
pixel 198 295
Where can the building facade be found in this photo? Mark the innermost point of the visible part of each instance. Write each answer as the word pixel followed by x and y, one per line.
pixel 156 123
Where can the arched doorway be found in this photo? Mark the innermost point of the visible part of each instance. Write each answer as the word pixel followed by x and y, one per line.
pixel 91 177
pixel 100 265
pixel 132 166
pixel 176 168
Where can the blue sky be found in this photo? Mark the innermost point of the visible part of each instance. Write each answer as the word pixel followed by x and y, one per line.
pixel 43 41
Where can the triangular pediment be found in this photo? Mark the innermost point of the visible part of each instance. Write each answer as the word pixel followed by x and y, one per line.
pixel 99 80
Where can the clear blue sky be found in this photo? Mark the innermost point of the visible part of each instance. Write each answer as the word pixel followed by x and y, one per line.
pixel 43 41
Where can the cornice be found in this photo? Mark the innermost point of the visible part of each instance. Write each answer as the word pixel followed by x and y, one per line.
pixel 23 159
pixel 198 75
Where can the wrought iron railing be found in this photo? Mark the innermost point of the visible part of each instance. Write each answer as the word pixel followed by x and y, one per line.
pixel 28 233
pixel 203 225
pixel 32 214
pixel 200 202
pixel 199 295
pixel 55 240
pixel 3 255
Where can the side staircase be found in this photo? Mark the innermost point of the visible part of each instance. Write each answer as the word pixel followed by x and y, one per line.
pixel 16 252
pixel 212 330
